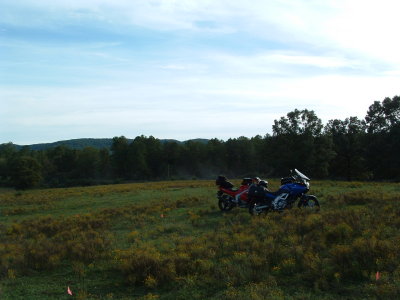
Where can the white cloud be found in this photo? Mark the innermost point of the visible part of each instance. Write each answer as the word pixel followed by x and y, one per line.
pixel 285 63
pixel 212 65
pixel 368 27
pixel 220 108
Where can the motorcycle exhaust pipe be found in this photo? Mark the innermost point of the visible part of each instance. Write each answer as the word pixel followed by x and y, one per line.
pixel 262 207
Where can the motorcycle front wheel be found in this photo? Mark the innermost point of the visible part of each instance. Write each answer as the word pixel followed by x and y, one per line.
pixel 309 201
pixel 225 202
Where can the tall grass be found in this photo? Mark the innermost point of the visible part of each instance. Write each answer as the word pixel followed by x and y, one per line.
pixel 168 240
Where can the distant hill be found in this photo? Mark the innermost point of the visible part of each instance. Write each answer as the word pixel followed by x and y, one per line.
pixel 90 142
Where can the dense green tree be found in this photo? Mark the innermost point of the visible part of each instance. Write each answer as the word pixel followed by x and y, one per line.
pixel 383 116
pixel 264 154
pixel 137 159
pixel 240 157
pixel 104 163
pixel 298 143
pixel 393 150
pixel 259 159
pixel 119 157
pixel 361 149
pixel 63 158
pixel 382 148
pixel 171 153
pixel 348 138
pixel 216 156
pixel 26 172
pixel 7 152
pixel 4 173
pixel 153 156
pixel 192 159
pixel 304 122
pixel 62 165
pixel 382 154
pixel 321 156
pixel 87 163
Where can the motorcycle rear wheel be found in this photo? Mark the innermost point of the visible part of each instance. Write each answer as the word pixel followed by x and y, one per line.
pixel 225 203
pixel 310 202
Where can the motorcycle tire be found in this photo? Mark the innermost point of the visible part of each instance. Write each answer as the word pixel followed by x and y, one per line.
pixel 309 201
pixel 256 212
pixel 225 203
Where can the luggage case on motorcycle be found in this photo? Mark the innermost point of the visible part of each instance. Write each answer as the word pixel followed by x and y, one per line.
pixel 223 182
pixel 257 193
pixel 246 181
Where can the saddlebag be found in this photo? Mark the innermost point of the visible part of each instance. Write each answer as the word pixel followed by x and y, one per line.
pixel 246 181
pixel 223 182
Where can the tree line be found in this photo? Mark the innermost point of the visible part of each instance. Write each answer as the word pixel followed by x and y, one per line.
pixel 350 149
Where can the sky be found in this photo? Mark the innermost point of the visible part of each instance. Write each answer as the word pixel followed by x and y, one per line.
pixel 189 68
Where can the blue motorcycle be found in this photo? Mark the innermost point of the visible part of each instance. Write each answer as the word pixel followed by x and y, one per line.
pixel 292 188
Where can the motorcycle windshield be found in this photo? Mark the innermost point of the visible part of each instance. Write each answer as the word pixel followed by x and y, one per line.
pixel 301 175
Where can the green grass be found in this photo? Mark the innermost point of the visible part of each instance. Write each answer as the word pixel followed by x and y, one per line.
pixel 168 240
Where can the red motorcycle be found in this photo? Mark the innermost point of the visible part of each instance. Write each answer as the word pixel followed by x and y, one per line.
pixel 227 195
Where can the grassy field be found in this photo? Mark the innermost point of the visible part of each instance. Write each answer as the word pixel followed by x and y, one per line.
pixel 168 240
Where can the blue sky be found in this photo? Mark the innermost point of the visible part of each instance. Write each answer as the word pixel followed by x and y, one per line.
pixel 189 69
